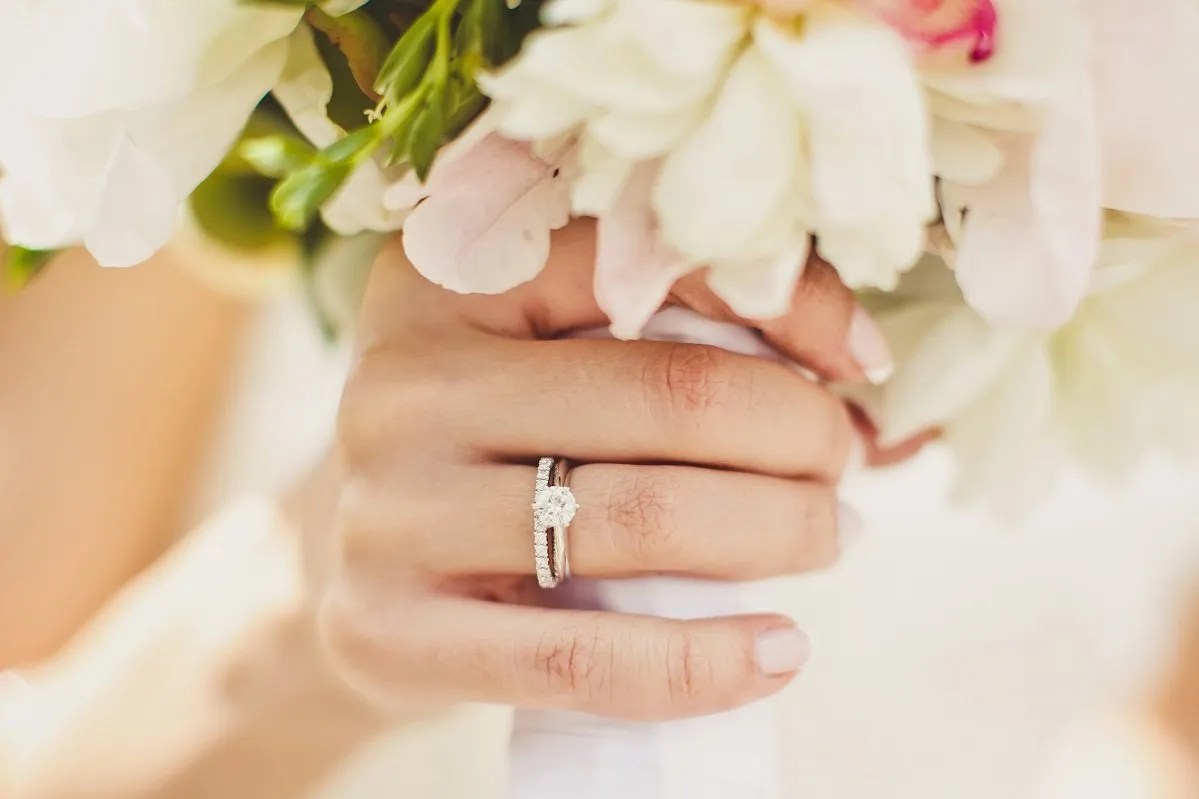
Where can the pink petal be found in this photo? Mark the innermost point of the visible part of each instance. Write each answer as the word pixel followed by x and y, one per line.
pixel 634 268
pixel 485 227
pixel 942 23
pixel 1031 236
pixel 406 193
pixel 1147 68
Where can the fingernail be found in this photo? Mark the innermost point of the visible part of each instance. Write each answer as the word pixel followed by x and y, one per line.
pixel 850 527
pixel 782 651
pixel 869 347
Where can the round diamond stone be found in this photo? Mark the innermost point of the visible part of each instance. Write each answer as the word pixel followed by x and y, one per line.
pixel 554 506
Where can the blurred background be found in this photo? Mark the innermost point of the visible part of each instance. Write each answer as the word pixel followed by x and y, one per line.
pixel 154 620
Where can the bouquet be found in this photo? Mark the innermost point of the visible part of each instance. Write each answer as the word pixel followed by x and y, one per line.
pixel 1035 159
pixel 1012 185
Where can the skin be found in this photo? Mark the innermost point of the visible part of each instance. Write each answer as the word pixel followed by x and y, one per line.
pixel 446 392
pixel 1177 703
pixel 109 381
pixel 429 590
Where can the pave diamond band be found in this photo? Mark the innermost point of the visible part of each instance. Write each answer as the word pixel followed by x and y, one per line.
pixel 554 508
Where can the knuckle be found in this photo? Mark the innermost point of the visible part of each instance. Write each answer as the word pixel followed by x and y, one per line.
pixel 382 528
pixel 386 396
pixel 577 662
pixel 816 544
pixel 359 409
pixel 690 671
pixel 361 637
pixel 833 433
pixel 692 380
pixel 357 526
pixel 640 514
pixel 346 638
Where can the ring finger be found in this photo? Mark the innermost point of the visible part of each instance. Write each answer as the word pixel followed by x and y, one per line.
pixel 632 520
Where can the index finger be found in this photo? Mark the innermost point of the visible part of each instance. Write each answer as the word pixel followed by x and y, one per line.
pixel 824 328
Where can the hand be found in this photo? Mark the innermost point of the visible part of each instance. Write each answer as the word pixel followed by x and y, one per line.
pixel 687 460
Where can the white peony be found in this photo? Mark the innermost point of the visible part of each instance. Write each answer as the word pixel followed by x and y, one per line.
pixel 1076 109
pixel 1016 140
pixel 736 135
pixel 115 110
pixel 739 128
pixel 1102 390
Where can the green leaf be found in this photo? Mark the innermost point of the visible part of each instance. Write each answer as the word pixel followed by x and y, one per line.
pixel 276 156
pixel 297 198
pixel 234 209
pixel 352 147
pixel 428 132
pixel 22 264
pixel 405 66
pixel 359 38
pixel 466 102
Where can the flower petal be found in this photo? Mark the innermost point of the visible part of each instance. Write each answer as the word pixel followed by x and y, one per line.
pixel 1030 239
pixel 867 127
pixel 602 176
pixel 1146 52
pixel 868 141
pixel 137 212
pixel 113 180
pixel 750 141
pixel 1006 443
pixel 90 57
pixel 634 269
pixel 485 228
pixel 963 153
pixel 1039 47
pixel 948 358
pixel 405 193
pixel 764 287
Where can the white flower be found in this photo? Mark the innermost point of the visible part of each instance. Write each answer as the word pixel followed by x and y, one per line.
pixel 752 133
pixel 1016 140
pixel 1077 109
pixel 115 110
pixel 1105 389
pixel 1145 63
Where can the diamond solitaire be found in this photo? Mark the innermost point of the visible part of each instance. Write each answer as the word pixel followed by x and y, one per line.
pixel 554 506
pixel 553 510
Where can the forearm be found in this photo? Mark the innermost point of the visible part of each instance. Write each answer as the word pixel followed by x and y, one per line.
pixel 108 380
pixel 202 679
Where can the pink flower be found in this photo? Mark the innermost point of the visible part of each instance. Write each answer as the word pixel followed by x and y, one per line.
pixel 942 23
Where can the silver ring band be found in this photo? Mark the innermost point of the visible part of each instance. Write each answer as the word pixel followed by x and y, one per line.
pixel 554 507
pixel 559 475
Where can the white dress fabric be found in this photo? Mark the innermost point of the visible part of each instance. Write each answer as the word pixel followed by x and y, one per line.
pixel 952 656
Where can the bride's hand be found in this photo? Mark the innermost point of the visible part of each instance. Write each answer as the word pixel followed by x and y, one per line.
pixel 687 460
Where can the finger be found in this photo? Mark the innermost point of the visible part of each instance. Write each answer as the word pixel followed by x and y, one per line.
pixel 630 667
pixel 631 520
pixel 875 453
pixel 824 329
pixel 599 401
pixel 560 299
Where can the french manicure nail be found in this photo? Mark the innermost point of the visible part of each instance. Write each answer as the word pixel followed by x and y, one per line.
pixel 869 347
pixel 850 527
pixel 782 651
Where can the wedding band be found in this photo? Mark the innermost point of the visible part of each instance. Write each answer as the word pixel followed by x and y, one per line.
pixel 554 507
